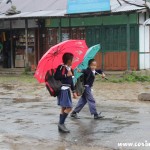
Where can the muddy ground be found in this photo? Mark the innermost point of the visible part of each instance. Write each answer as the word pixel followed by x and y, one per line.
pixel 29 117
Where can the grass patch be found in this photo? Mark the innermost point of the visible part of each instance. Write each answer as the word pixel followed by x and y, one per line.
pixel 132 77
pixel 18 79
pixel 29 78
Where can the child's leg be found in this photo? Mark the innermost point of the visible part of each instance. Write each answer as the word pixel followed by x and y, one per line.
pixel 91 101
pixel 81 103
pixel 64 113
pixel 65 100
pixel 61 115
pixel 68 110
pixel 62 110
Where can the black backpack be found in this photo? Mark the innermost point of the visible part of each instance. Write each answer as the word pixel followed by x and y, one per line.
pixel 80 85
pixel 52 85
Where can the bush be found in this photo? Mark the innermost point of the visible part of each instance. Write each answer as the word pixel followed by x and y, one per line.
pixel 27 70
pixel 132 77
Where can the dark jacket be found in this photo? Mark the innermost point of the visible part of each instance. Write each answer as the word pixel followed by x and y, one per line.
pixel 61 74
pixel 89 77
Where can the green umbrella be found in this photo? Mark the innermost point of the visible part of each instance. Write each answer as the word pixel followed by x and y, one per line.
pixel 90 54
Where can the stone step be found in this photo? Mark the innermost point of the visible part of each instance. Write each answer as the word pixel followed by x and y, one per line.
pixel 11 71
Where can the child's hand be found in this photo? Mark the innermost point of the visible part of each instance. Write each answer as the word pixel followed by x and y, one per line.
pixel 69 74
pixel 78 70
pixel 103 75
pixel 75 95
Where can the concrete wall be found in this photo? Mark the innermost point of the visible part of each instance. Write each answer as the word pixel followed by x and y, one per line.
pixel 144 42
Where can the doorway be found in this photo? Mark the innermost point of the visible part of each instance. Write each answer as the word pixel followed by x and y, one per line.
pixel 5 50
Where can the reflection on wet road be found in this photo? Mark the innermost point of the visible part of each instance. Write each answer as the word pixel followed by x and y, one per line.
pixel 29 117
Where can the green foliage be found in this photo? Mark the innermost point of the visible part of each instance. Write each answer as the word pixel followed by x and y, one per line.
pixel 132 77
pixel 27 70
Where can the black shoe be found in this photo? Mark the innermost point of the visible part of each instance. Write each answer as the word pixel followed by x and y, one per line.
pixel 75 116
pixel 62 128
pixel 98 116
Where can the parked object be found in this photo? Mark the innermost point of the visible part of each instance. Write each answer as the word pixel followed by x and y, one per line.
pixel 144 97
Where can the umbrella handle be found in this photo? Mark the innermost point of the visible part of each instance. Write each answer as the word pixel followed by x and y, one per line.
pixel 78 70
pixel 101 76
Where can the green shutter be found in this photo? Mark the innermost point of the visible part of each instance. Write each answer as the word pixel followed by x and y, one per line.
pixel 113 38
pixel 134 38
pixel 89 37
pixel 123 38
pixel 97 36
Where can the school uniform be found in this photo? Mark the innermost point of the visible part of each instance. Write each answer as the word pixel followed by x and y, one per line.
pixel 64 97
pixel 87 97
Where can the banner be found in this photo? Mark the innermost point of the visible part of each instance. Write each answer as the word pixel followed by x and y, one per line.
pixel 87 6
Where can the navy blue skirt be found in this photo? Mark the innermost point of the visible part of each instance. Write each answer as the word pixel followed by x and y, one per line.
pixel 64 98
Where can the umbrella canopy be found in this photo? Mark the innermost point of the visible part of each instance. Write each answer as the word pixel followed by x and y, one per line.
pixel 53 57
pixel 90 54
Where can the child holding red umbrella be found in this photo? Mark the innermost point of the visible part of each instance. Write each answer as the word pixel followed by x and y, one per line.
pixel 64 73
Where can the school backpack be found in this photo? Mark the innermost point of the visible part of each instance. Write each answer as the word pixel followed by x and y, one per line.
pixel 53 86
pixel 80 84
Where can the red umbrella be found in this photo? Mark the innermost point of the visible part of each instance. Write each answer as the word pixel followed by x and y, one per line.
pixel 53 57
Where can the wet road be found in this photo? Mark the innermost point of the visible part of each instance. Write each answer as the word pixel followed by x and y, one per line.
pixel 29 117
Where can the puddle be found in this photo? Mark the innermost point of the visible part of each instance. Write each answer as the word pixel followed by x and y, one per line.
pixel 25 100
pixel 126 109
pixel 125 122
pixel 5 99
pixel 33 115
pixel 8 87
pixel 2 93
pixel 33 106
pixel 48 114
pixel 21 121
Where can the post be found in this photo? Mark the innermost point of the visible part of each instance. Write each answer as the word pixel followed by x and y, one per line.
pixel 26 38
pixel 128 42
pixel 59 31
pixel 38 53
pixel 11 44
pixel 103 51
pixel 103 55
pixel 70 27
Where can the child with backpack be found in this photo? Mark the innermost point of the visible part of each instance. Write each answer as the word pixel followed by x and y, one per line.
pixel 64 73
pixel 87 96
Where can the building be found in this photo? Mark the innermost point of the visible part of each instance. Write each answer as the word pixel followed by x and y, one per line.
pixel 122 32
pixel 22 30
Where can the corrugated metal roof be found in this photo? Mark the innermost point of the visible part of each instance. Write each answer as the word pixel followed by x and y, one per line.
pixel 34 5
pixel 34 8
pixel 55 8
pixel 38 14
pixel 124 7
pixel 53 13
